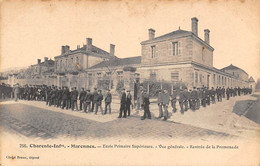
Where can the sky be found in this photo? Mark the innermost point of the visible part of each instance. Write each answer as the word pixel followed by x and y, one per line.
pixel 34 30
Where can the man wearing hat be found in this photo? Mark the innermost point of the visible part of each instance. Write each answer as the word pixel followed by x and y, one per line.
pixel 87 101
pixel 128 102
pixel 99 102
pixel 108 100
pixel 74 98
pixel 81 98
pixel 173 100
pixel 122 104
pixel 165 103
pixel 145 104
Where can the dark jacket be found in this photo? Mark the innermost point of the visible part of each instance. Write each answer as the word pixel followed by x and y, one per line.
pixel 128 99
pixel 74 95
pixel 65 94
pixel 165 98
pixel 94 96
pixel 82 95
pixel 88 98
pixel 108 97
pixel 123 98
pixel 99 99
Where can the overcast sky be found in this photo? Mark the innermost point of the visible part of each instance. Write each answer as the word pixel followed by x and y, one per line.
pixel 33 30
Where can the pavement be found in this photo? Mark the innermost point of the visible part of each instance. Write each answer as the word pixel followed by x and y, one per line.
pixel 218 121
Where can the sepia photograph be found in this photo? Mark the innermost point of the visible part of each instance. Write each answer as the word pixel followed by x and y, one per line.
pixel 160 82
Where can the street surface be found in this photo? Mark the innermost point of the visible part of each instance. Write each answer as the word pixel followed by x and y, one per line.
pixel 36 120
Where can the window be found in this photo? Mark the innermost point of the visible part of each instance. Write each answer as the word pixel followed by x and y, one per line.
pixel 120 75
pixel 218 80
pixel 222 80
pixel 99 76
pixel 196 77
pixel 175 49
pixel 201 78
pixel 174 76
pixel 153 76
pixel 153 50
pixel 203 54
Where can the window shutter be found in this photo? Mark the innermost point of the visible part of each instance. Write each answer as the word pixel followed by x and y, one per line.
pixel 170 49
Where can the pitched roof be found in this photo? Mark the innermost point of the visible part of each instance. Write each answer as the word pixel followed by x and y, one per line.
pixel 232 67
pixel 173 33
pixel 251 79
pixel 118 62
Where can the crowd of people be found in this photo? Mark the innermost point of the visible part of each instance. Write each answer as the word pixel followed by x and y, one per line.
pixel 89 102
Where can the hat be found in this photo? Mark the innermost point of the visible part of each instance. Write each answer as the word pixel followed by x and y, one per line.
pixel 128 90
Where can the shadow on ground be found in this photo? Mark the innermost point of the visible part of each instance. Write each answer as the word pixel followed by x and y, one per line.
pixel 248 108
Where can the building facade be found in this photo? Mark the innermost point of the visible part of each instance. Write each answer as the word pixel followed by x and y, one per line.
pixel 177 57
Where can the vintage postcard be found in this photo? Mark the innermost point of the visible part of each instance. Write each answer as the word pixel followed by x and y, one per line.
pixel 160 82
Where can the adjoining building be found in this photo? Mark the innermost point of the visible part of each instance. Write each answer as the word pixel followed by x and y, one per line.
pixel 179 56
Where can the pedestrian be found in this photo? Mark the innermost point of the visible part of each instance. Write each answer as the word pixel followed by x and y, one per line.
pixel 165 103
pixel 98 102
pixel 74 98
pixel 108 101
pixel 122 104
pixel 128 102
pixel 87 101
pixel 146 103
pixel 181 99
pixel 82 95
pixel 186 97
pixel 212 95
pixel 173 100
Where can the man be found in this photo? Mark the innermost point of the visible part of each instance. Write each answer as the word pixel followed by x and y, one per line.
pixel 193 98
pixel 207 96
pixel 181 100
pixel 238 91
pixel 81 98
pixel 128 102
pixel 212 95
pixel 74 98
pixel 228 93
pixel 65 98
pixel 165 103
pixel 122 104
pixel 87 101
pixel 16 91
pixel 59 97
pixel 145 104
pixel 98 102
pixel 108 100
pixel 159 102
pixel 204 96
pixel 223 92
pixel 186 98
pixel 94 99
pixel 200 93
pixel 173 100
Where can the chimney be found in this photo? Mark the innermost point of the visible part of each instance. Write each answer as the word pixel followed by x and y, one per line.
pixel 66 49
pixel 39 61
pixel 78 46
pixel 194 25
pixel 206 35
pixel 112 49
pixel 62 50
pixel 89 43
pixel 45 59
pixel 151 33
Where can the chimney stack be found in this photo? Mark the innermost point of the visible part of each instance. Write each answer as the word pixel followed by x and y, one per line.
pixel 206 35
pixel 62 50
pixel 194 25
pixel 66 49
pixel 112 49
pixel 89 43
pixel 39 61
pixel 151 33
pixel 45 59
